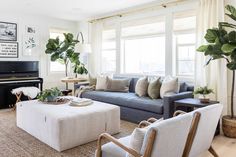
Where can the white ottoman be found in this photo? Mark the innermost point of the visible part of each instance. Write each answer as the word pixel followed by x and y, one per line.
pixel 63 126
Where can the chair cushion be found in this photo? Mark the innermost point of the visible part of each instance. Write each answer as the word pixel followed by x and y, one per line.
pixel 171 136
pixel 136 140
pixel 112 150
pixel 130 100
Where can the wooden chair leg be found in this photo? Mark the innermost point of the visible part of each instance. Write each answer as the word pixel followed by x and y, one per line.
pixel 213 152
pixel 99 147
pixel 18 99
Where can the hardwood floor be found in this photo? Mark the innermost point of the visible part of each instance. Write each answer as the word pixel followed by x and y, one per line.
pixel 225 147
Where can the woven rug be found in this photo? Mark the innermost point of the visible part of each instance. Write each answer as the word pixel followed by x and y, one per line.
pixel 15 142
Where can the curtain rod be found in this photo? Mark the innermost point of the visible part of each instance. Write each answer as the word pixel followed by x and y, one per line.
pixel 164 5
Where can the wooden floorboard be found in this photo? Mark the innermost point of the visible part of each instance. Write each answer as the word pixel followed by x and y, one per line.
pixel 225 147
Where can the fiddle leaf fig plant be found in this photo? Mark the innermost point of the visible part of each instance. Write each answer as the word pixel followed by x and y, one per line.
pixel 222 45
pixel 63 52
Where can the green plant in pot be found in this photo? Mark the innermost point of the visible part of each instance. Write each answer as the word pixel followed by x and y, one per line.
pixel 222 45
pixel 49 95
pixel 203 91
pixel 64 52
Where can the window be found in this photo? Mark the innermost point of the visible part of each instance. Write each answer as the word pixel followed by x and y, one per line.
pixel 57 66
pixel 108 55
pixel 143 48
pixel 184 43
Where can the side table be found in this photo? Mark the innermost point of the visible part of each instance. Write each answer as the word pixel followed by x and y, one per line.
pixel 192 104
pixel 74 81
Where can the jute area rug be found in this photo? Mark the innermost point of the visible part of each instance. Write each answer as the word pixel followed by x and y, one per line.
pixel 15 142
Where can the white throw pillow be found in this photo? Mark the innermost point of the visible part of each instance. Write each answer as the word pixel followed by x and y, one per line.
pixel 102 82
pixel 136 140
pixel 169 85
pixel 141 86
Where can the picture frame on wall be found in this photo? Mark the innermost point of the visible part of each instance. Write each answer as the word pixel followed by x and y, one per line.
pixel 30 41
pixel 8 31
pixel 8 50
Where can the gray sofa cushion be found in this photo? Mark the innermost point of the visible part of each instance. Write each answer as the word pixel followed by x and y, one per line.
pixel 127 100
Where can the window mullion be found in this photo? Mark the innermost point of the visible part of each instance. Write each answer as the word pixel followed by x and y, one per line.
pixel 168 44
pixel 118 48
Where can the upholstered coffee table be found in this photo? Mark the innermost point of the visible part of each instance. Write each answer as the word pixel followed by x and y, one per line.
pixel 63 126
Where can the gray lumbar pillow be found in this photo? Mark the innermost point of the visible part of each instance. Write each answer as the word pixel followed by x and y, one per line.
pixel 154 88
pixel 118 85
pixel 141 86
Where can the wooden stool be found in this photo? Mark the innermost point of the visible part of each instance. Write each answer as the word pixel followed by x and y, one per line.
pixel 18 99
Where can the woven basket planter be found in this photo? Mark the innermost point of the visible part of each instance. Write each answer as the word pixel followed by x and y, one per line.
pixel 229 126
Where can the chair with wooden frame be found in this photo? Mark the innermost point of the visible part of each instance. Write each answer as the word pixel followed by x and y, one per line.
pixel 203 122
pixel 202 130
pixel 156 140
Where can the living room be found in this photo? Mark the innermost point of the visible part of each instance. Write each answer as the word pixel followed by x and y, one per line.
pixel 112 78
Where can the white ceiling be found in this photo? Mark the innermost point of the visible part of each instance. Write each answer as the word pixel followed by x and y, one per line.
pixel 70 9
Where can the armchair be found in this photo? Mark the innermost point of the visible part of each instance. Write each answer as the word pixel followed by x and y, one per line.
pixel 156 136
pixel 185 135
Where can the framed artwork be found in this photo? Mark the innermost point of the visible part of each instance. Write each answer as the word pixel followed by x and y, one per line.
pixel 30 41
pixel 8 50
pixel 8 31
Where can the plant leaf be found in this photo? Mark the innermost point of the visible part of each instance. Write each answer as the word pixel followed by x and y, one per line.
pixel 211 35
pixel 232 36
pixel 231 65
pixel 202 48
pixel 232 10
pixel 228 48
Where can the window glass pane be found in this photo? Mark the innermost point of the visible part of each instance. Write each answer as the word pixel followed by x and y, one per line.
pixel 145 55
pixel 109 45
pixel 57 66
pixel 109 34
pixel 55 35
pixel 186 68
pixel 184 42
pixel 108 61
pixel 186 52
pixel 184 23
pixel 186 38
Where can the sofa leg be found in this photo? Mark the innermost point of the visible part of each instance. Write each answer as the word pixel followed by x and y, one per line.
pixel 213 152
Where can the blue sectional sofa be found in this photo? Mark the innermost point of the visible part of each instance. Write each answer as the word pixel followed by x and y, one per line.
pixel 136 109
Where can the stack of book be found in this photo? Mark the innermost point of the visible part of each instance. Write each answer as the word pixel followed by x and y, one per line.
pixel 81 102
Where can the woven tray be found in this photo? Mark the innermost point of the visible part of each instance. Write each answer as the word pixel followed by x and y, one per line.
pixel 58 102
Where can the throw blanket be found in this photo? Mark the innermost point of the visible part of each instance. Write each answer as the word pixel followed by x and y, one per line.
pixel 31 92
pixel 82 89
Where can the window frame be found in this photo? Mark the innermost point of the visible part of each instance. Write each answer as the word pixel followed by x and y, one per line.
pixel 182 32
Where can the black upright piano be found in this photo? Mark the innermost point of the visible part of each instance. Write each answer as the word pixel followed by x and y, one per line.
pixel 14 74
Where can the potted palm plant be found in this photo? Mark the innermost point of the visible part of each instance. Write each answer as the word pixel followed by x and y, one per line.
pixel 203 91
pixel 222 45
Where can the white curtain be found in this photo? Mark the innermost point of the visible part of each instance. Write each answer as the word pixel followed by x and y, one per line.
pixel 210 12
pixel 96 44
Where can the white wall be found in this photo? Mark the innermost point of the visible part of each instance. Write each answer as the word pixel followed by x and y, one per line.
pixel 42 25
